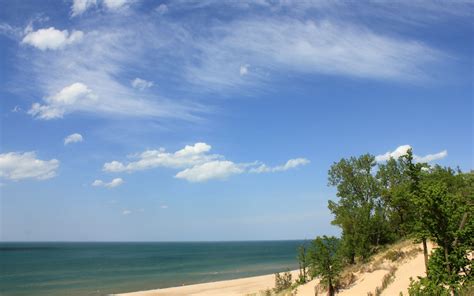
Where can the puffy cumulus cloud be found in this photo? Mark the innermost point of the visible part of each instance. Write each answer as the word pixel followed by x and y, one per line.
pixel 197 164
pixel 126 212
pixel 400 151
pixel 73 138
pixel 18 166
pixel 403 149
pixel 292 163
pixel 114 183
pixel 141 84
pixel 216 169
pixel 95 68
pixel 186 157
pixel 52 38
pixel 80 6
pixel 76 96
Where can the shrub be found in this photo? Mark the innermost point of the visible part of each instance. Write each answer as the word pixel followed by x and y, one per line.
pixel 282 282
pixel 394 255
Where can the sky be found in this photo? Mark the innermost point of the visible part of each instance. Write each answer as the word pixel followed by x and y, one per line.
pixel 141 120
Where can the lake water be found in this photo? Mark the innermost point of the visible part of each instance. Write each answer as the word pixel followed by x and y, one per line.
pixel 107 268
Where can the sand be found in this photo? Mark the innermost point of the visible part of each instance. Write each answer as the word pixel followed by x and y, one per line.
pixel 241 286
pixel 366 281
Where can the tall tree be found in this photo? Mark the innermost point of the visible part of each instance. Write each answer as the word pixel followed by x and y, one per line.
pixel 358 211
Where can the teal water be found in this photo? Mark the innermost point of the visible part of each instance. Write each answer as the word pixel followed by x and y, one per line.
pixel 107 268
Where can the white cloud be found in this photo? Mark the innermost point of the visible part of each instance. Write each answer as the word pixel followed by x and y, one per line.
pixel 216 169
pixel 432 157
pixel 76 96
pixel 403 149
pixel 18 166
pixel 186 157
pixel 97 64
pixel 80 6
pixel 126 212
pixel 292 163
pixel 114 183
pixel 51 38
pixel 197 164
pixel 285 45
pixel 116 4
pixel 162 9
pixel 164 206
pixel 400 151
pixel 73 138
pixel 141 84
pixel 244 69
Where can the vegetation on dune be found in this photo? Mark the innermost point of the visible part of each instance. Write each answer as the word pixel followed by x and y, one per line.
pixel 399 199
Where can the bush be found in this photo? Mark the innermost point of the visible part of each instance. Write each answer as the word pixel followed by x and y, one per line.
pixel 282 282
pixel 394 255
pixel 425 287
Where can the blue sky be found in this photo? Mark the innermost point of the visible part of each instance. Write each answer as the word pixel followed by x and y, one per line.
pixel 210 120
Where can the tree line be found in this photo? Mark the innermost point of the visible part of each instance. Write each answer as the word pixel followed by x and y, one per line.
pixel 381 203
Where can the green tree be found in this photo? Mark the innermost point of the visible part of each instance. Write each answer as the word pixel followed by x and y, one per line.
pixel 360 210
pixel 325 261
pixel 303 264
pixel 445 203
pixel 395 192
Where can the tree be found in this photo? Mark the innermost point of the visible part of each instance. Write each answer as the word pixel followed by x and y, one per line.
pixel 445 203
pixel 414 173
pixel 303 264
pixel 325 261
pixel 395 192
pixel 360 210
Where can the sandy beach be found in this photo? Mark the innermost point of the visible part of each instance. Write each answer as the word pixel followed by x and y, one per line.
pixel 241 286
pixel 366 281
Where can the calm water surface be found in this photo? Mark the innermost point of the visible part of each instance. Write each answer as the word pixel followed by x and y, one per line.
pixel 107 268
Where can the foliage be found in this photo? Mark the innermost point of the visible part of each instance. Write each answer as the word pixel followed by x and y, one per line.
pixel 359 211
pixel 303 264
pixel 425 287
pixel 381 203
pixel 325 261
pixel 282 282
pixel 394 255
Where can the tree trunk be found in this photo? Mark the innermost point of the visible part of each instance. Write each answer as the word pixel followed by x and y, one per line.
pixel 330 289
pixel 425 253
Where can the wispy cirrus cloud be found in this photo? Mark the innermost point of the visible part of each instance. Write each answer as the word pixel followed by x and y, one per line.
pixel 403 149
pixel 85 78
pixel 245 53
pixel 281 45
pixel 197 164
pixel 78 7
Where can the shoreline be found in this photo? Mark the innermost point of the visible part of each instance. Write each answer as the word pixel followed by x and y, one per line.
pixel 239 286
pixel 367 278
